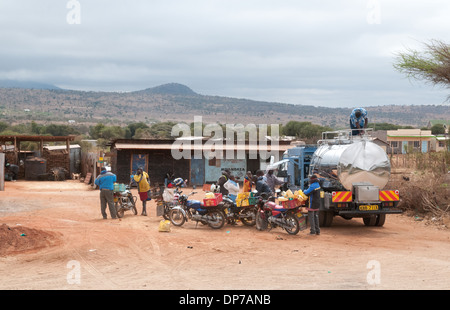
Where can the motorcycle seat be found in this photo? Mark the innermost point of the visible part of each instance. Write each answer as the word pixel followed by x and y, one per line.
pixel 272 205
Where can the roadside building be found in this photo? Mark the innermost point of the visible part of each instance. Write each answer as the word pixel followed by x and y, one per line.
pixel 403 141
pixel 198 166
pixel 442 143
pixel 11 145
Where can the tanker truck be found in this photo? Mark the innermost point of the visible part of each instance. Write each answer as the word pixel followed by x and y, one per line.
pixel 353 172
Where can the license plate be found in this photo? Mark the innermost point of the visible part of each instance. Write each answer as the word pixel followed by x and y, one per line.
pixel 368 207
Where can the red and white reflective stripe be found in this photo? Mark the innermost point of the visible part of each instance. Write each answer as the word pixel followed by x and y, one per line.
pixel 341 196
pixel 389 195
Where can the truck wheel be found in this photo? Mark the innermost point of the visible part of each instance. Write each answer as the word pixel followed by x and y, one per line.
pixel 381 218
pixel 325 218
pixel 370 220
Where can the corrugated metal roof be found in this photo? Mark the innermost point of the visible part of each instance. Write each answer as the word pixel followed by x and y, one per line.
pixel 193 147
pixel 35 138
pixel 61 147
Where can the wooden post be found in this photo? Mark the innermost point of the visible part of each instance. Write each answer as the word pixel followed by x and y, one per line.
pixel 2 172
pixel 16 151
pixel 41 148
pixel 68 155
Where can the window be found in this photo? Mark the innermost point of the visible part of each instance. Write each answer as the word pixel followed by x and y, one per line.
pixel 416 144
pixel 394 144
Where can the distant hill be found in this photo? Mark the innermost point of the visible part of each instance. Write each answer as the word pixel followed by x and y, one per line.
pixel 179 103
pixel 169 89
pixel 26 85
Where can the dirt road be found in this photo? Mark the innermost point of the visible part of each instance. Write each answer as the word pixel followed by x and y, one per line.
pixel 74 248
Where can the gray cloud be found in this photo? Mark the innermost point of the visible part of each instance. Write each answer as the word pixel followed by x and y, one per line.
pixel 324 53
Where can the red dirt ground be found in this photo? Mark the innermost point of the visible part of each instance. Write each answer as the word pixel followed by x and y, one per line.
pixel 67 245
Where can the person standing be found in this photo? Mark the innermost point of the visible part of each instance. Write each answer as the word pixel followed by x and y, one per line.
pixel 313 192
pixel 358 121
pixel 233 188
pixel 222 180
pixel 248 182
pixel 168 178
pixel 14 170
pixel 143 181
pixel 105 181
pixel 261 183
pixel 272 180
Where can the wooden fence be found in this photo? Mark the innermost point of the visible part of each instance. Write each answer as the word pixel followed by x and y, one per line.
pixel 437 162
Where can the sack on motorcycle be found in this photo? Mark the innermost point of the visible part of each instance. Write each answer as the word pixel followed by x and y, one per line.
pixel 168 194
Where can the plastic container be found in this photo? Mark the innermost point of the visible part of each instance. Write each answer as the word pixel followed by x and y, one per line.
pixel 35 167
pixel 212 202
pixel 289 204
pixel 119 187
pixel 252 201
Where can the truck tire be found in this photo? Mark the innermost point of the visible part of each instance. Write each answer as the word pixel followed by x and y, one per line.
pixel 325 218
pixel 370 220
pixel 381 218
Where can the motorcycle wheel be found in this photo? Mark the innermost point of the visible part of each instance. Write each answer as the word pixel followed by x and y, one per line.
pixel 133 208
pixel 293 222
pixel 176 217
pixel 166 214
pixel 119 210
pixel 251 219
pixel 218 219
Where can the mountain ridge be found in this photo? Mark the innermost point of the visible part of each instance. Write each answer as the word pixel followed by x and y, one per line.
pixel 26 85
pixel 169 89
pixel 179 103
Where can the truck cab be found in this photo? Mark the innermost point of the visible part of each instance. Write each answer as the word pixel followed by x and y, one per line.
pixel 294 166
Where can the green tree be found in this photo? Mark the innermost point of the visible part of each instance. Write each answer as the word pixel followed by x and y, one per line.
pixel 438 129
pixel 133 127
pixel 304 130
pixel 95 131
pixel 3 126
pixel 112 132
pixel 58 130
pixel 36 128
pixel 431 65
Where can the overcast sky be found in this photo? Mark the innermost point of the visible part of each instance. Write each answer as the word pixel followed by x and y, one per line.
pixel 332 53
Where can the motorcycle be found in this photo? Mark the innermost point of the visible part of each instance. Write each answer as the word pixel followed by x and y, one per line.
pixel 195 210
pixel 277 216
pixel 124 201
pixel 245 213
pixel 165 201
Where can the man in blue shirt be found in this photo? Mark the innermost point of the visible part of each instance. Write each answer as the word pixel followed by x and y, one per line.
pixel 358 121
pixel 105 181
pixel 313 192
pixel 261 183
